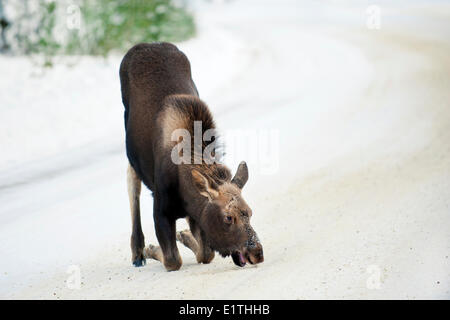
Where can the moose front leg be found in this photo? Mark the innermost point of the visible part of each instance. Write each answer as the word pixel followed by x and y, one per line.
pixel 154 252
pixel 196 241
pixel 186 238
pixel 167 253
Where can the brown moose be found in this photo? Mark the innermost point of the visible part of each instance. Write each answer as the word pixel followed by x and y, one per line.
pixel 160 96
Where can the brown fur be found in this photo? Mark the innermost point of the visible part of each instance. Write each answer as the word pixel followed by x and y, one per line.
pixel 159 97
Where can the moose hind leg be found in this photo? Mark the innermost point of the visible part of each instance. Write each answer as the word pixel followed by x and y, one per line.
pixel 137 236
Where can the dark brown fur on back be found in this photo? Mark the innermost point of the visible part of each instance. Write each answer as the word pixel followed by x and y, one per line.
pixel 149 74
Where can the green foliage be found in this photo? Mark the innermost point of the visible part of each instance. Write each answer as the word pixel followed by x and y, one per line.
pixel 105 25
pixel 46 43
pixel 120 24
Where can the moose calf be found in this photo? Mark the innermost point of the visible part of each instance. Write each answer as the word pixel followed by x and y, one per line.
pixel 160 97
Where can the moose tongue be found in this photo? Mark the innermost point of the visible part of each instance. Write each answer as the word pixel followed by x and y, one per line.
pixel 238 258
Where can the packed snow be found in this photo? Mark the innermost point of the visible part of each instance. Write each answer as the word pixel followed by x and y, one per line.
pixel 349 178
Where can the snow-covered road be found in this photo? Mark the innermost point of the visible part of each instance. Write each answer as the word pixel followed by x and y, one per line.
pixel 351 197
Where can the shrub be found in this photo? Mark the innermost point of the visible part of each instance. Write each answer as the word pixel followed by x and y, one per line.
pixel 104 25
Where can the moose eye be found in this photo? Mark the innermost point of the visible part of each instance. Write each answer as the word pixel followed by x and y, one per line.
pixel 229 219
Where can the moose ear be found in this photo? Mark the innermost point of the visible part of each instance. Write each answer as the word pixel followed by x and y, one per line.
pixel 241 176
pixel 203 186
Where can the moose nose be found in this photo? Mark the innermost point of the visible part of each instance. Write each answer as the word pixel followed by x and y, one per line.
pixel 258 258
pixel 257 255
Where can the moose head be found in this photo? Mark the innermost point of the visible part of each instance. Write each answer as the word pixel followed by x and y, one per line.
pixel 225 219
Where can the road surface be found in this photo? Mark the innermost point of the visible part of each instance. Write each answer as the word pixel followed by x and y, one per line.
pixel 349 181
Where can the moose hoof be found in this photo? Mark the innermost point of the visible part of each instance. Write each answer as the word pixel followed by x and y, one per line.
pixel 139 261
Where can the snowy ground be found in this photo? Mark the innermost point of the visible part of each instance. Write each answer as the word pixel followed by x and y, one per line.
pixel 351 199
